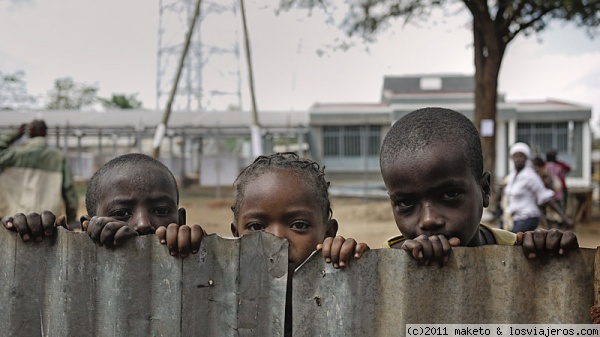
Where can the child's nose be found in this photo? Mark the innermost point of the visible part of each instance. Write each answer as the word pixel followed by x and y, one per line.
pixel 430 219
pixel 142 223
pixel 277 230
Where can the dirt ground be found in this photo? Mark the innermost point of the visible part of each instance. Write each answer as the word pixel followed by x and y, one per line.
pixel 369 221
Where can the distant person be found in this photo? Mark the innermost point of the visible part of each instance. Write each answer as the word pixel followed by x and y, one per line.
pixel 33 176
pixel 525 193
pixel 550 218
pixel 558 169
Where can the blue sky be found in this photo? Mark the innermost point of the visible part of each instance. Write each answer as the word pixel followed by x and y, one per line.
pixel 113 44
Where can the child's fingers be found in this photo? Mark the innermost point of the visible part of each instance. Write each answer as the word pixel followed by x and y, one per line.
pixel 415 248
pixel 20 223
pixel 123 234
pixel 84 220
pixel 346 252
pixel 108 235
pixel 553 238
pixel 48 222
pixel 183 241
pixel 519 240
pixel 34 221
pixel 454 242
pixel 172 239
pixel 161 234
pixel 360 249
pixel 94 228
pixel 426 249
pixel 528 244
pixel 7 221
pixel 326 249
pixel 336 248
pixel 197 234
pixel 539 240
pixel 437 249
pixel 568 242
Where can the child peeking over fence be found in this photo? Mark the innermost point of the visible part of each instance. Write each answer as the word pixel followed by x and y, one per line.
pixel 287 196
pixel 432 166
pixel 131 195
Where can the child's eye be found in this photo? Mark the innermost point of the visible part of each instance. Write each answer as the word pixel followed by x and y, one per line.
pixel 451 195
pixel 300 225
pixel 255 226
pixel 162 211
pixel 120 214
pixel 404 204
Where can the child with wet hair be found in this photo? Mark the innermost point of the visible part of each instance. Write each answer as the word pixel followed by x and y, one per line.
pixel 432 166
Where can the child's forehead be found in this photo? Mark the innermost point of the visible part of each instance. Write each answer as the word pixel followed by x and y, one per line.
pixel 138 177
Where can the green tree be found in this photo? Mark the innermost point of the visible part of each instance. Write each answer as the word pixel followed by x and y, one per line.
pixel 495 24
pixel 119 101
pixel 13 92
pixel 69 95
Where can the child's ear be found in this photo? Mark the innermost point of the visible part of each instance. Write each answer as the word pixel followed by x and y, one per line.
pixel 182 216
pixel 486 188
pixel 332 228
pixel 234 230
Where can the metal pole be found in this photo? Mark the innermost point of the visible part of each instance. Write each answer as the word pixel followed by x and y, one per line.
pixel 160 129
pixel 256 138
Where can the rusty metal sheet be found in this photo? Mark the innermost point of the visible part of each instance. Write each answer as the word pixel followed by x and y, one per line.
pixel 66 286
pixel 386 289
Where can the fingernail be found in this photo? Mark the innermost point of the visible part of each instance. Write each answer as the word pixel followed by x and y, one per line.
pixel 335 265
pixel 194 251
pixel 531 255
pixel 342 264
pixel 48 232
pixel 25 237
pixel 328 260
pixel 163 241
pixel 561 251
pixel 9 225
pixel 38 238
pixel 173 254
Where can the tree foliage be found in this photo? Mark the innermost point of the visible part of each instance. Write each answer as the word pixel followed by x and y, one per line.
pixel 495 24
pixel 120 101
pixel 13 92
pixel 69 95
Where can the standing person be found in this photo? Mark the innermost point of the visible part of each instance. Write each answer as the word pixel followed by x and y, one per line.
pixel 558 169
pixel 33 176
pixel 525 193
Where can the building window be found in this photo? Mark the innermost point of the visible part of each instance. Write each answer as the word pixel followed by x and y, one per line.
pixel 351 140
pixel 545 137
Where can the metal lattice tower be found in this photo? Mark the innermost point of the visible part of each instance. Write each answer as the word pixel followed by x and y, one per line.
pixel 211 77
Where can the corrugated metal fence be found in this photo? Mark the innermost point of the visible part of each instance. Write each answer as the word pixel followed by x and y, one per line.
pixel 66 286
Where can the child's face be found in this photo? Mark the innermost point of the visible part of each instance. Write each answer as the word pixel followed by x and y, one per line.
pixel 281 204
pixel 434 192
pixel 144 197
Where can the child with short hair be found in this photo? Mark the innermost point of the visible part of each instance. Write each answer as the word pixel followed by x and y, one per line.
pixel 432 165
pixel 131 195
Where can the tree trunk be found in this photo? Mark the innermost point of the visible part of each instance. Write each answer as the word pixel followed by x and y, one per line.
pixel 489 50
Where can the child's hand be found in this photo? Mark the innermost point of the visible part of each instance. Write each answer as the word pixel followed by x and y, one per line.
pixel 431 250
pixel 338 250
pixel 34 226
pixel 542 241
pixel 106 231
pixel 181 239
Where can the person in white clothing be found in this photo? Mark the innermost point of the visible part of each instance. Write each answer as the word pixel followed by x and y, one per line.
pixel 525 193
